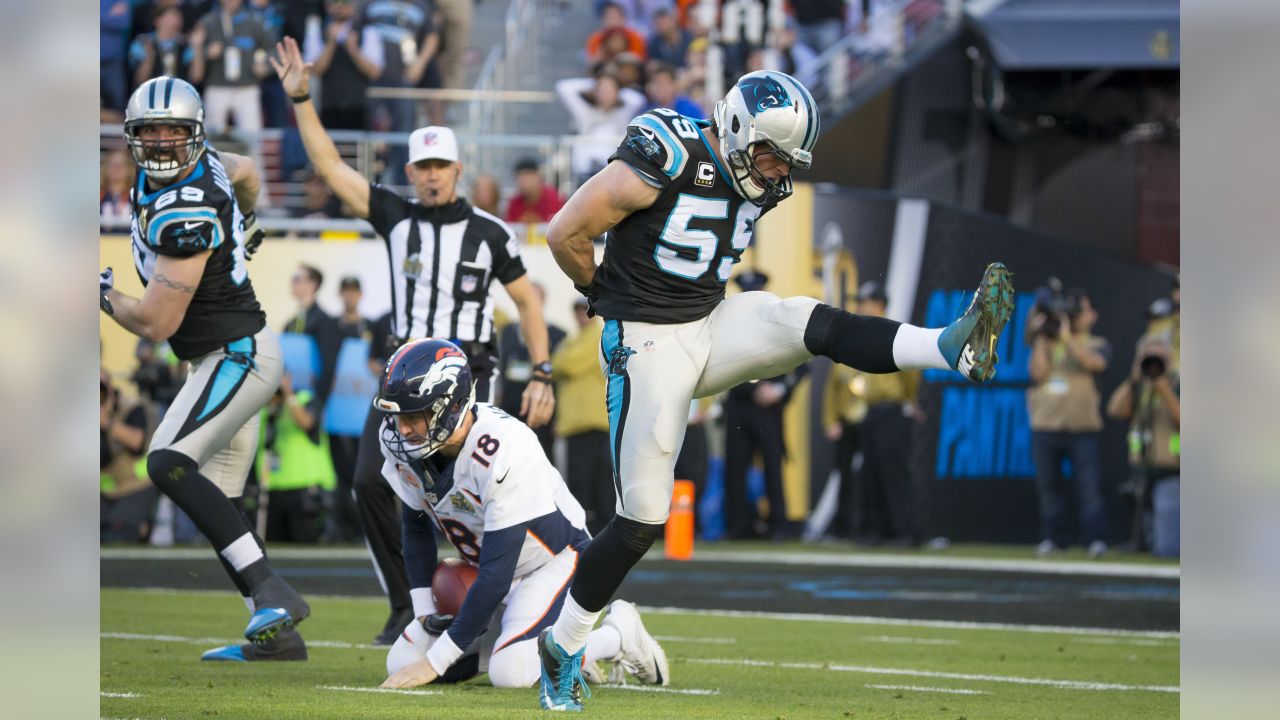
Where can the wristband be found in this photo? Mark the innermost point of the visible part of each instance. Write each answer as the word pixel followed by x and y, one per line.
pixel 543 367
pixel 300 98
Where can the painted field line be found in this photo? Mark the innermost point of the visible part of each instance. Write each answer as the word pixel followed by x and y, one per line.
pixel 908 622
pixel 917 688
pixel 653 688
pixel 869 670
pixel 1122 641
pixel 224 641
pixel 705 640
pixel 909 640
pixel 118 695
pixel 382 691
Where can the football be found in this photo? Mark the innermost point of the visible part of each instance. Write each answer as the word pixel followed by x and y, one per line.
pixel 449 584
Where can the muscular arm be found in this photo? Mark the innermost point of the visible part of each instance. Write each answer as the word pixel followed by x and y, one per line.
pixel 158 313
pixel 242 171
pixel 602 202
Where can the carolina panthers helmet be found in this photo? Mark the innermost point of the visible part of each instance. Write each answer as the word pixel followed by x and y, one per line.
pixel 424 376
pixel 766 107
pixel 165 101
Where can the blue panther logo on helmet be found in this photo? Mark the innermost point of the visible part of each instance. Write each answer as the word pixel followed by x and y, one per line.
pixel 764 93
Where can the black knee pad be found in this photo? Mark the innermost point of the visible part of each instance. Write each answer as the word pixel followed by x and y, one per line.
pixel 636 536
pixel 862 342
pixel 167 468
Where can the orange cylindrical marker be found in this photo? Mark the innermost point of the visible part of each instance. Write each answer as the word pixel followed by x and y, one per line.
pixel 679 534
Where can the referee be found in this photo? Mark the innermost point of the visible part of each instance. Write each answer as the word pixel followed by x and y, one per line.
pixel 443 255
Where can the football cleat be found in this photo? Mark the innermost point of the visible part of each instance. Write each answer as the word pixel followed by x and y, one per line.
pixel 642 656
pixel 969 343
pixel 279 606
pixel 286 645
pixel 562 686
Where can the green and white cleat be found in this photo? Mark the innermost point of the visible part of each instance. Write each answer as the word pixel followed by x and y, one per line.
pixel 969 343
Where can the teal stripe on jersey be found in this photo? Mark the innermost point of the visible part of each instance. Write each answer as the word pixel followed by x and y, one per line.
pixel 676 155
pixel 185 215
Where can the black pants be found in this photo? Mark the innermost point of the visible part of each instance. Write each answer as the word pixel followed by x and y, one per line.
pixel 848 519
pixel 589 474
pixel 344 525
pixel 750 430
pixel 886 497
pixel 379 508
pixel 293 515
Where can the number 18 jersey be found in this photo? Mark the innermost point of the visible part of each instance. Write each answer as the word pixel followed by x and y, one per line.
pixel 669 263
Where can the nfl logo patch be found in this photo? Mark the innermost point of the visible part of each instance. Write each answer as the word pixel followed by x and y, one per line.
pixel 469 283
pixel 706 176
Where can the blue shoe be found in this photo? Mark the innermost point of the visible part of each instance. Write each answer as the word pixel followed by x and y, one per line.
pixel 226 653
pixel 279 606
pixel 969 343
pixel 562 686
pixel 265 623
pixel 286 645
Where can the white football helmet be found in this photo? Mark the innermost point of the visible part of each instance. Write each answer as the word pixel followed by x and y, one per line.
pixel 766 107
pixel 165 101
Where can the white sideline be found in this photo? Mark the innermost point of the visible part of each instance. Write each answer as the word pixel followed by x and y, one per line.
pixel 909 640
pixel 703 640
pixel 917 688
pixel 385 691
pixel 870 670
pixel 651 688
pixel 118 695
pixel 851 559
pixel 766 615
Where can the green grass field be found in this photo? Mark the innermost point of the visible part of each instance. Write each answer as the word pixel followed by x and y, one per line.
pixel 722 667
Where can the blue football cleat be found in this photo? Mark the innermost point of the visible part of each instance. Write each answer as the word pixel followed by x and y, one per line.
pixel 279 606
pixel 562 686
pixel 265 623
pixel 969 343
pixel 226 653
pixel 286 645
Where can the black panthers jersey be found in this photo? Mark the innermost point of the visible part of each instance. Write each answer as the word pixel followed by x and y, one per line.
pixel 188 217
pixel 669 262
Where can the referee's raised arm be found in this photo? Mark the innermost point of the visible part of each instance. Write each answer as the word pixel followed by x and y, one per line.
pixel 295 76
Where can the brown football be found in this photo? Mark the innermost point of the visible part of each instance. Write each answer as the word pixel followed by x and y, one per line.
pixel 450 582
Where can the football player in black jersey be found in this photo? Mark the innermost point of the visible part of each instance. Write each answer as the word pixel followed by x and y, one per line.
pixel 192 213
pixel 679 201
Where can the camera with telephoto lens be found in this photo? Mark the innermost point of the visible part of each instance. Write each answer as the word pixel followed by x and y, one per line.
pixel 1051 304
pixel 1153 366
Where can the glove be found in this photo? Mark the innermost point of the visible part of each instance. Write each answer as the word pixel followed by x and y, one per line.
pixel 106 279
pixel 253 235
pixel 435 623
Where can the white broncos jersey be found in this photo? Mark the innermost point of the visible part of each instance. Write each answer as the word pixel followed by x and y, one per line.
pixel 500 478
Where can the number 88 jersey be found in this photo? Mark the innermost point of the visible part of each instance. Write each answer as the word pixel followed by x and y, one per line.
pixel 190 216
pixel 669 263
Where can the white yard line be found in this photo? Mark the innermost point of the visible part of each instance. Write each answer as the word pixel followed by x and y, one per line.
pixel 909 640
pixel 908 622
pixel 917 688
pixel 1122 641
pixel 384 691
pixel 869 670
pixel 750 557
pixel 653 688
pixel 703 640
pixel 118 695
pixel 224 641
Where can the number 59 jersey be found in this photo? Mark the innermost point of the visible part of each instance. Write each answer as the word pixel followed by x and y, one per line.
pixel 501 478
pixel 188 217
pixel 669 263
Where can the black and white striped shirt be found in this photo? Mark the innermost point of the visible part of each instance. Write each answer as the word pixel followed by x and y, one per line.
pixel 442 262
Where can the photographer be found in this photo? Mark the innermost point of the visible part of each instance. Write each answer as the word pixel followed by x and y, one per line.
pixel 126 496
pixel 1063 403
pixel 1149 399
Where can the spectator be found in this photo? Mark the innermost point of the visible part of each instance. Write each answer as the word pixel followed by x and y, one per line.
pixel 753 424
pixel 1063 403
pixel 515 369
pixel 1149 399
pixel 126 497
pixel 163 51
pixel 295 466
pixel 535 200
pixel 693 74
pixel 157 381
pixel 843 410
pixel 318 200
pixel 485 194
pixel 311 320
pixel 613 22
pixel 455 26
pixel 114 21
pixel 794 57
pixel 628 68
pixel 230 58
pixel 269 15
pixel 114 207
pixel 343 524
pixel 582 420
pixel 663 92
pixel 820 22
pixel 885 503
pixel 669 42
pixel 600 113
pixel 410 41
pixel 348 56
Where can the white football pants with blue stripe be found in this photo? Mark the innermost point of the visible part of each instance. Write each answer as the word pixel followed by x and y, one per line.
pixel 653 371
pixel 214 418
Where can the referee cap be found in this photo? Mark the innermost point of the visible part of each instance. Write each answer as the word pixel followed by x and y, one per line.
pixel 433 143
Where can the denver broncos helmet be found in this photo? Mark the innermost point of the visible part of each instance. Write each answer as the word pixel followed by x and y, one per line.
pixel 424 376
pixel 766 107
